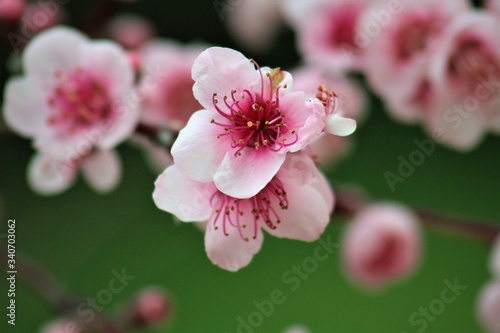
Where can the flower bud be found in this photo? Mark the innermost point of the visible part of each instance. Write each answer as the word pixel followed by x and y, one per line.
pixel 381 245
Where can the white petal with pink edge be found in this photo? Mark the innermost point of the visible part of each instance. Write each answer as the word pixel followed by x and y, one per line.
pixel 102 170
pixel 340 126
pixel 47 176
pixel 230 252
pixel 310 200
pixel 246 175
pixel 197 152
pixel 24 107
pixel 187 199
pixel 55 49
pixel 221 70
pixel 109 62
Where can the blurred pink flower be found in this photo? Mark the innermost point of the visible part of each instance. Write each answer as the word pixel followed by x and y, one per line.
pixel 11 10
pixel 166 85
pixel 256 23
pixel 398 56
pixel 39 16
pixel 251 120
pixel 48 176
pixel 74 96
pixel 129 30
pixel 381 245
pixel 488 307
pixel 296 204
pixel 327 31
pixel 150 308
pixel 352 104
pixel 464 74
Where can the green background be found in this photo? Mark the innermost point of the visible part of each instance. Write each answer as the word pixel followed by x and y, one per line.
pixel 82 236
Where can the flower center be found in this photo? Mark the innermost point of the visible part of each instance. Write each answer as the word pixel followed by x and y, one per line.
pixel 413 37
pixel 255 121
pixel 263 208
pixel 342 27
pixel 78 102
pixel 471 64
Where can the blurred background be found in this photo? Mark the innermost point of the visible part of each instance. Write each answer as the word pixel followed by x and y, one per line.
pixel 82 237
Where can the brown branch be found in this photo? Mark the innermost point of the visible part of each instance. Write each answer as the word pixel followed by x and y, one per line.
pixel 351 201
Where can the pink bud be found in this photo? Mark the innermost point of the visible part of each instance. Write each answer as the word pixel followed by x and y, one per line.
pixel 488 307
pixel 381 245
pixel 11 10
pixel 150 308
pixel 129 30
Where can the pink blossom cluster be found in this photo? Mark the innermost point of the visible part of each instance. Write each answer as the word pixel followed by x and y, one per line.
pixel 240 163
pixel 432 62
pixel 78 99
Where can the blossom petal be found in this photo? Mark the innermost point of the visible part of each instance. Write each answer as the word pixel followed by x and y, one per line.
pixel 246 175
pixel 55 49
pixel 102 170
pixel 230 252
pixel 47 176
pixel 24 109
pixel 307 118
pixel 197 152
pixel 109 61
pixel 221 70
pixel 338 125
pixel 187 199
pixel 310 200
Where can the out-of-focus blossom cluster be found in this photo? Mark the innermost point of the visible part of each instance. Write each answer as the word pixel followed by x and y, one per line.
pixel 432 62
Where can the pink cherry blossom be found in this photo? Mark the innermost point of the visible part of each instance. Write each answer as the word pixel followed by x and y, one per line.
pixel 166 84
pixel 328 31
pixel 352 103
pixel 397 58
pixel 48 176
pixel 131 31
pixel 11 10
pixel 465 76
pixel 381 245
pixel 251 120
pixel 488 307
pixel 74 96
pixel 255 24
pixel 296 204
